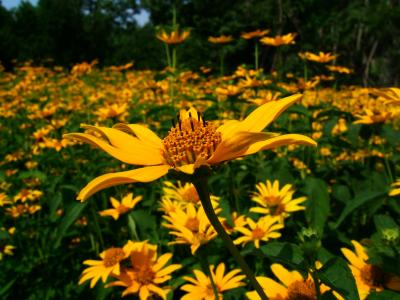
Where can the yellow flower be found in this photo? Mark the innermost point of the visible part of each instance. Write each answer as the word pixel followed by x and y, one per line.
pixel 279 40
pixel 368 277
pixel 254 34
pixel 321 57
pixel 6 250
pixel 190 226
pixel 27 194
pixel 190 144
pixel 373 116
pixel 395 189
pixel 200 287
pixel 264 230
pixel 174 38
pixel 291 286
pixel 391 95
pixel 108 265
pixel 120 208
pixel 339 69
pixel 223 39
pixel 146 273
pixel 114 110
pixel 4 199
pixel 275 201
pixel 180 195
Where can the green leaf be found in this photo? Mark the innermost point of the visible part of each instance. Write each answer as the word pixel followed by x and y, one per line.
pixel 384 295
pixel 361 199
pixel 72 214
pixel 286 253
pixel 383 222
pixel 33 174
pixel 317 205
pixel 337 275
pixel 5 288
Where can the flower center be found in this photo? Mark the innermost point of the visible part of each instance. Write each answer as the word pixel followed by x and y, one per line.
pixel 258 233
pixel 189 140
pixel 113 256
pixel 272 200
pixel 302 290
pixel 192 224
pixel 190 195
pixel 145 275
pixel 373 276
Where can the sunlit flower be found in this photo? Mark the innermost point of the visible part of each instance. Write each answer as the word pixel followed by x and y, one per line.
pixel 321 57
pixel 223 39
pixel 191 143
pixel 109 264
pixel 279 40
pixel 6 250
pixel 173 38
pixel 114 110
pixel 200 287
pixel 190 226
pixel 146 273
pixel 368 277
pixel 275 201
pixel 391 95
pixel 265 229
pixel 127 203
pixel 254 34
pixel 339 69
pixel 27 194
pixel 340 127
pixel 4 199
pixel 395 189
pixel 291 285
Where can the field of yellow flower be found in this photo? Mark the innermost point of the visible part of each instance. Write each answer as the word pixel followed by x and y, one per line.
pixel 110 178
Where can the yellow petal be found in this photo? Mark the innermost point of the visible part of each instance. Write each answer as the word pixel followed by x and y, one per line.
pixel 236 145
pixel 140 155
pixel 285 276
pixel 145 174
pixel 272 288
pixel 262 116
pixel 143 133
pixel 282 140
pixel 353 258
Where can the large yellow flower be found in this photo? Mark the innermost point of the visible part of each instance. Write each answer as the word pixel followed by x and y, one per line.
pixel 190 144
pixel 368 277
pixel 173 38
pixel 321 57
pixel 200 288
pixel 279 40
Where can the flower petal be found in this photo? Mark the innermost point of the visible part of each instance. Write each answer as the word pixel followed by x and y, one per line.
pixel 262 116
pixel 145 174
pixel 282 140
pixel 137 155
pixel 143 133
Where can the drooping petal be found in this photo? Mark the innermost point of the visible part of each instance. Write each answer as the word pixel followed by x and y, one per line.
pixel 262 116
pixel 282 140
pixel 143 133
pixel 285 276
pixel 135 156
pixel 145 174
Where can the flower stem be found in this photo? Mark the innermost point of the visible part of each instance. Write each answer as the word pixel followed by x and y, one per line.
pixel 316 283
pixel 256 55
pixel 201 186
pixel 168 55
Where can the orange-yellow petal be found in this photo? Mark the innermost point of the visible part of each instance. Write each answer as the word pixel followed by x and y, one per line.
pixel 145 174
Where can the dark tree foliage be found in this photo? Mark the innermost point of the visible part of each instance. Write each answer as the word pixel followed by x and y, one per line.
pixel 366 33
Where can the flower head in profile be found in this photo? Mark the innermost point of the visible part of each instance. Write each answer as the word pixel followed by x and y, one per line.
pixel 200 287
pixel 190 144
pixel 127 203
pixel 108 265
pixel 279 40
pixel 339 69
pixel 264 230
pixel 368 277
pixel 274 201
pixel 222 39
pixel 321 57
pixel 291 285
pixel 173 38
pixel 373 116
pixel 254 34
pixel 391 95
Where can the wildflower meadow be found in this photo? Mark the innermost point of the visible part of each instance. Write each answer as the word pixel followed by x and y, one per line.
pixel 214 182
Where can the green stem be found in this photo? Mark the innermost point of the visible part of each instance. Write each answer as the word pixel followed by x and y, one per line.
pixel 206 269
pixel 221 62
pixel 97 226
pixel 201 186
pixel 174 59
pixel 256 55
pixel 316 283
pixel 168 55
pixel 132 227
